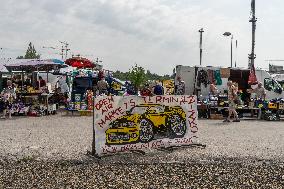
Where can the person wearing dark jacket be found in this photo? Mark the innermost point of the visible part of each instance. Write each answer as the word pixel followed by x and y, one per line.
pixel 158 89
pixel 41 82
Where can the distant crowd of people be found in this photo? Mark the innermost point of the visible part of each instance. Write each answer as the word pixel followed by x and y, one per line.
pixel 103 86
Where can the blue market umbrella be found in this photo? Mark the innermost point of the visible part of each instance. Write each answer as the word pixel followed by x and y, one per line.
pixel 57 61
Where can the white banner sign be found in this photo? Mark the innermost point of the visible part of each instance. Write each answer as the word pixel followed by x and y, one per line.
pixel 143 123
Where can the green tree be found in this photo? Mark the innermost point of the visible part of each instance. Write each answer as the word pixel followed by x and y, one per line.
pixel 137 76
pixel 149 76
pixel 30 53
pixel 120 75
pixel 20 57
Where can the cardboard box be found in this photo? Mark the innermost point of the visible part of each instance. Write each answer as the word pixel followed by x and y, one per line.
pixel 216 116
pixel 77 105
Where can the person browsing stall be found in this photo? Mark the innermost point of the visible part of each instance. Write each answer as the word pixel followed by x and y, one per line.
pixel 103 86
pixel 158 89
pixel 28 82
pixel 180 86
pixel 41 82
pixel 259 91
pixel 8 96
pixel 232 96
pixel 213 89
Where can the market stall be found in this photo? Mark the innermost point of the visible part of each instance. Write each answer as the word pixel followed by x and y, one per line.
pixel 85 87
pixel 215 104
pixel 32 91
pixel 216 107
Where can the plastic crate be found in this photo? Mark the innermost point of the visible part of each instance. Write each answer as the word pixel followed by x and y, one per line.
pixel 272 106
pixel 281 106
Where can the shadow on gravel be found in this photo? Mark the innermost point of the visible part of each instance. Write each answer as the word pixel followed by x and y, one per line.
pixel 210 173
pixel 15 118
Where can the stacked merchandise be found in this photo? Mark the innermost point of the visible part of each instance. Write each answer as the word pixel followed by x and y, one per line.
pixel 223 100
pixel 71 106
pixel 30 106
pixel 31 101
pixel 272 110
pixel 213 100
pixel 82 103
pixel 37 110
pixel 77 103
pixel 19 108
pixel 203 109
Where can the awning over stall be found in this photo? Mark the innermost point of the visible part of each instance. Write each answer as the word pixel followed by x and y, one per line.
pixel 35 65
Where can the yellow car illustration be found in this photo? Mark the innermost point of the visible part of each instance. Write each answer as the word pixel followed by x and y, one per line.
pixel 145 122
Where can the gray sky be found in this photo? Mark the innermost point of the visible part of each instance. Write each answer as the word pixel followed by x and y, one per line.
pixel 156 34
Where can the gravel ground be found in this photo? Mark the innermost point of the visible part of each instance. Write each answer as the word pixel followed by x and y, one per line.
pixel 50 152
pixel 84 174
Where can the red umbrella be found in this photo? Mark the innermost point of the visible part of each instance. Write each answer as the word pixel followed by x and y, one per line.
pixel 80 62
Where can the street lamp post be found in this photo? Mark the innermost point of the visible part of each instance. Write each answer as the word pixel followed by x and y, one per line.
pixel 227 34
pixel 236 53
pixel 200 44
pixel 1 53
pixel 232 51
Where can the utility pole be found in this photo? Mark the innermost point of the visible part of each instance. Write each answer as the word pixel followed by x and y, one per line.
pixel 62 52
pixel 200 44
pixel 55 48
pixel 253 20
pixel 65 48
pixel 1 49
pixel 232 37
pixel 98 61
pixel 236 53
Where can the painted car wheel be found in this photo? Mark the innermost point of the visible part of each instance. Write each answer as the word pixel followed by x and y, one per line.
pixel 177 125
pixel 146 133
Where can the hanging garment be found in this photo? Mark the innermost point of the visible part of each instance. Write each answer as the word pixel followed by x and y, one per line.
pixel 211 76
pixel 252 77
pixel 202 78
pixel 225 72
pixel 217 75
pixel 180 88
